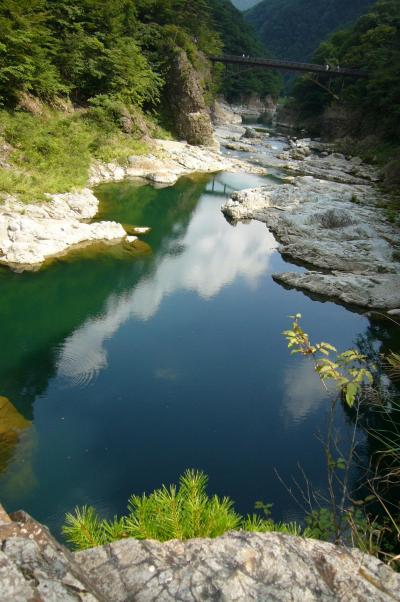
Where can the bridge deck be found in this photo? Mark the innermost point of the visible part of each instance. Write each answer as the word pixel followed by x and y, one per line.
pixel 287 65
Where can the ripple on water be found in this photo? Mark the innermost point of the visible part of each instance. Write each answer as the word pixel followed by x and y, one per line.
pixel 80 362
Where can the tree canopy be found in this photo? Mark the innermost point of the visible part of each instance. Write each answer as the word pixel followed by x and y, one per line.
pixel 293 29
pixel 85 48
pixel 372 44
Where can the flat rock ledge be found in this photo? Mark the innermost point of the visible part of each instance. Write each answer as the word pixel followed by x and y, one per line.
pixel 335 226
pixel 264 567
pixel 31 233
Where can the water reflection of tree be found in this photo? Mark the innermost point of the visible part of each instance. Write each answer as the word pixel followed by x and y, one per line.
pixel 17 446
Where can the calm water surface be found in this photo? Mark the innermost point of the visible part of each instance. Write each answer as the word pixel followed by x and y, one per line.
pixel 123 367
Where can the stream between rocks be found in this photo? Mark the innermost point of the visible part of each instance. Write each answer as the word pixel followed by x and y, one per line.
pixel 124 365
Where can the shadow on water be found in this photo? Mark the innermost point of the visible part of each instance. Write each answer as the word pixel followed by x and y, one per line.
pixel 121 369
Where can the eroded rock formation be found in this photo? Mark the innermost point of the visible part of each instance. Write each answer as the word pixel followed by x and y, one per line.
pixel 186 102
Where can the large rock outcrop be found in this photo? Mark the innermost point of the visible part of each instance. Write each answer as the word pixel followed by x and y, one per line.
pixel 32 232
pixel 329 216
pixel 265 567
pixel 316 222
pixel 186 102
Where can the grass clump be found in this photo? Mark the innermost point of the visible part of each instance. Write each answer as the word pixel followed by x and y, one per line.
pixel 172 512
pixel 52 152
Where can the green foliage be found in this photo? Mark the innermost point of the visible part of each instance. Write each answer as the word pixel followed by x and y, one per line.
pixel 346 370
pixel 51 47
pixel 349 517
pixel 293 29
pixel 25 58
pixel 373 45
pixel 239 38
pixel 42 159
pixel 168 513
pixel 358 529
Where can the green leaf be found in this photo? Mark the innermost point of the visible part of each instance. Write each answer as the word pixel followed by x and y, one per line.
pixel 351 392
pixel 341 463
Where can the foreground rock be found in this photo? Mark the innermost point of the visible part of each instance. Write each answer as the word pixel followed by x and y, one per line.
pixel 238 566
pixel 34 567
pixel 333 226
pixel 30 233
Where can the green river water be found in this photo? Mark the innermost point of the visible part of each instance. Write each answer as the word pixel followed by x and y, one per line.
pixel 124 366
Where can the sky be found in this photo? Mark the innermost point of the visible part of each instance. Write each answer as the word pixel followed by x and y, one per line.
pixel 244 4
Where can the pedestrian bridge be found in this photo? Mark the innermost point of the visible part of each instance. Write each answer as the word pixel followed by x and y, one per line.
pixel 326 70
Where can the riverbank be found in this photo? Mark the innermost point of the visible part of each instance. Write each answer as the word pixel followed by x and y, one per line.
pixel 31 233
pixel 328 214
pixel 327 211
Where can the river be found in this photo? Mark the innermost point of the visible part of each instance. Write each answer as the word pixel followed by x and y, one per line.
pixel 123 367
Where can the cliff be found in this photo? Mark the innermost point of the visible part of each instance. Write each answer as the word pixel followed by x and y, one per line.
pixel 186 102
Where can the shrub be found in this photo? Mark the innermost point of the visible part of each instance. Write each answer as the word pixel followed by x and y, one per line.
pixel 41 158
pixel 168 513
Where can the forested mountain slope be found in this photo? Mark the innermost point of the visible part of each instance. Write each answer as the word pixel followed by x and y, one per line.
pixel 293 29
pixel 238 37
pixel 86 48
pixel 372 44
pixel 95 75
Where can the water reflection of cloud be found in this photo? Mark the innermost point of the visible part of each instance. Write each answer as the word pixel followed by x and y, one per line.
pixel 165 374
pixel 212 256
pixel 303 392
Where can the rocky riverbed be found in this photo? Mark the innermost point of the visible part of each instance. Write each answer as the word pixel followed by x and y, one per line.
pixel 327 214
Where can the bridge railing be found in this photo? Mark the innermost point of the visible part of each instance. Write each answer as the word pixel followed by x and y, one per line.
pixel 288 65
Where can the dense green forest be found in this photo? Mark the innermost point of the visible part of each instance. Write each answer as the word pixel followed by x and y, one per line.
pixel 238 38
pixel 93 75
pixel 86 48
pixel 372 44
pixel 293 29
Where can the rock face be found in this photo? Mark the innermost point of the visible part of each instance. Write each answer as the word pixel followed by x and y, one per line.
pixel 224 114
pixel 237 566
pixel 186 102
pixel 365 290
pixel 34 567
pixel 30 233
pixel 253 106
